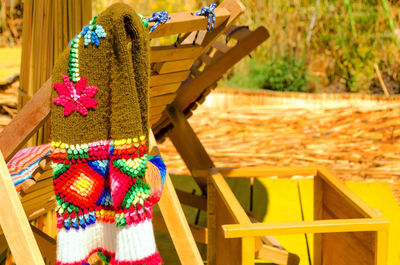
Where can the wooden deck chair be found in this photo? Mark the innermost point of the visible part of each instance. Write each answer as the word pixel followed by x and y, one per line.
pixel 171 65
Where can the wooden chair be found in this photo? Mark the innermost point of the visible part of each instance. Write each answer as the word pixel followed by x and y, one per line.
pixel 171 65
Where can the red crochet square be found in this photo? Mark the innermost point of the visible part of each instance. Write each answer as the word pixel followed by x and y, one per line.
pixel 80 185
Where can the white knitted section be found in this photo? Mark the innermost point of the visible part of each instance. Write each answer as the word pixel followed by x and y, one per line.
pixel 135 242
pixel 75 245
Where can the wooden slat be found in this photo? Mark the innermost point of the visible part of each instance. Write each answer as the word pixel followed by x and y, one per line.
pixel 229 199
pixel 191 90
pixel 192 200
pixel 14 222
pixel 349 197
pixel 273 254
pixel 40 176
pixel 38 185
pixel 347 249
pixel 260 171
pixel 175 219
pixel 200 234
pixel 38 192
pixel 162 100
pixel 173 66
pixel 47 245
pixel 220 46
pixel 48 206
pixel 164 89
pixel 182 22
pixel 172 53
pixel 187 143
pixel 26 122
pixel 163 79
pixel 248 247
pixel 305 227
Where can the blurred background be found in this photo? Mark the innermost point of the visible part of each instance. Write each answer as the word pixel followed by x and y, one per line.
pixel 315 45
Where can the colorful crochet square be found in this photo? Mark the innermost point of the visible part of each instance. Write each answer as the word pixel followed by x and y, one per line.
pixel 105 181
pixel 79 185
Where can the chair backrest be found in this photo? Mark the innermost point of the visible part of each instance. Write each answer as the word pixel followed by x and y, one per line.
pixel 170 66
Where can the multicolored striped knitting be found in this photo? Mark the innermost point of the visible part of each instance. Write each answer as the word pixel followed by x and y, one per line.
pixel 105 181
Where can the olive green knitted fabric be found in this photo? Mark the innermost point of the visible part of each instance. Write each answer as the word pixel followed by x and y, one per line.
pixel 121 76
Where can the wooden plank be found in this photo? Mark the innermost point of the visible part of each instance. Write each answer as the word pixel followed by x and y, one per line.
pixel 182 22
pixel 38 186
pixel 318 204
pixel 200 234
pixel 47 245
pixel 171 53
pixel 223 216
pixel 162 100
pixel 48 189
pixel 175 219
pixel 381 247
pixel 14 222
pixel 42 176
pixel 187 144
pixel 259 171
pixel 220 46
pixel 248 246
pixel 347 249
pixel 192 200
pixel 26 122
pixel 173 66
pixel 191 90
pixel 48 206
pixel 163 79
pixel 164 89
pixel 273 254
pixel 158 109
pixel 349 197
pixel 229 199
pixel 320 226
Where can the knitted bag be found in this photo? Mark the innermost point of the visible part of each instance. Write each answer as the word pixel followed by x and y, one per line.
pixel 104 180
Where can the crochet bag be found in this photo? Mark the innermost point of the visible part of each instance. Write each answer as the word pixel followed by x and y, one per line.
pixel 104 180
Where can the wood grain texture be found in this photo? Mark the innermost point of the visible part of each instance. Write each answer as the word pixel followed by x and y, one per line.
pixel 14 222
pixel 175 219
pixel 27 121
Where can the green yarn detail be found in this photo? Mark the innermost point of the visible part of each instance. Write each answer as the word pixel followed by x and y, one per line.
pixel 60 169
pixel 63 206
pixel 104 257
pixel 137 193
pixel 78 153
pixel 73 66
pixel 133 168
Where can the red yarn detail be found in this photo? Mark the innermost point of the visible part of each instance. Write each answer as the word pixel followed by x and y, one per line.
pixel 79 185
pixel 77 96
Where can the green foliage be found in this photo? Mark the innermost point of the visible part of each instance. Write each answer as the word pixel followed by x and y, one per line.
pixel 282 74
pixel 348 38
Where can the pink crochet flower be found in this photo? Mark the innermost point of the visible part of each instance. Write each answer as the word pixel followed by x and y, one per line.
pixel 77 96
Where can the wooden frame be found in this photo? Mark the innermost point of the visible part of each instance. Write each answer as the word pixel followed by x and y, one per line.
pixel 171 66
pixel 346 230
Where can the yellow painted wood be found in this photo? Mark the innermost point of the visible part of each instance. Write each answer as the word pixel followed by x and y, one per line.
pixel 379 196
pixel 248 247
pixel 277 200
pixel 319 226
pixel 381 247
